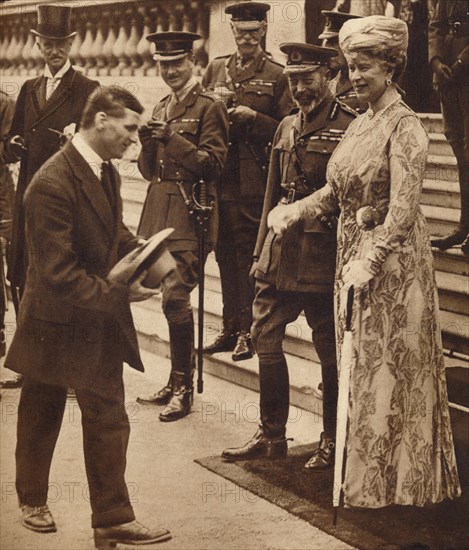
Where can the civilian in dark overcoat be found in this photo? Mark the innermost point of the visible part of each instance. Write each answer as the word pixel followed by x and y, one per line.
pixel 75 327
pixel 257 94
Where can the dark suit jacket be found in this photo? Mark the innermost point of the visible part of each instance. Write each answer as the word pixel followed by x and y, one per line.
pixel 196 150
pixel 32 120
pixel 74 327
pixel 264 88
pixel 442 42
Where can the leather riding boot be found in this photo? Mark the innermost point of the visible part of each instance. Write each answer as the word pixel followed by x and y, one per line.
pixel 181 399
pixel 182 361
pixel 323 457
pixel 161 397
pixel 259 446
pixel 244 348
pixel 465 246
pixel 454 238
pixel 226 340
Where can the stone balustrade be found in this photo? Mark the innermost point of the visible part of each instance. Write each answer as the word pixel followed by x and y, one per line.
pixel 110 39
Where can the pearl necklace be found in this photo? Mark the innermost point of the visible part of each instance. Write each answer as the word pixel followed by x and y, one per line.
pixel 369 118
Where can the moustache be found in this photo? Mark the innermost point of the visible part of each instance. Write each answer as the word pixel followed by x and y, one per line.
pixel 305 96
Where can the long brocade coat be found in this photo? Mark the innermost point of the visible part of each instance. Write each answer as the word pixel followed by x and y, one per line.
pixel 399 445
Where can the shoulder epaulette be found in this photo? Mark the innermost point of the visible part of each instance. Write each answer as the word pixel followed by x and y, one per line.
pixel 206 92
pixel 275 62
pixel 347 108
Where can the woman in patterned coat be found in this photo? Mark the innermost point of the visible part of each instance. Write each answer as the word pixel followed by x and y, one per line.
pixel 399 441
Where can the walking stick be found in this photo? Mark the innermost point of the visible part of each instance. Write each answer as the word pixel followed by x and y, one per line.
pixel 346 359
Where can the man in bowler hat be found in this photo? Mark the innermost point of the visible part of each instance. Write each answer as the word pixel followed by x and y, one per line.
pixel 185 142
pixel 257 96
pixel 75 327
pixel 294 272
pixel 45 106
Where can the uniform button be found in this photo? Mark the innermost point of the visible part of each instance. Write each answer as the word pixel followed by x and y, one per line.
pixel 180 131
pixel 237 85
pixel 158 180
pixel 324 150
pixel 258 93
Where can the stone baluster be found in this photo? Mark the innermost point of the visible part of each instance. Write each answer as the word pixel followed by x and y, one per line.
pixel 158 17
pixel 37 58
pixel 131 51
pixel 28 54
pixel 75 50
pixel 119 51
pixel 109 59
pixel 96 52
pixel 10 53
pixel 4 45
pixel 87 47
pixel 18 53
pixel 143 49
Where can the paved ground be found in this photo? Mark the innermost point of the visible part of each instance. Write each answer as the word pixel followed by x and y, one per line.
pixel 201 509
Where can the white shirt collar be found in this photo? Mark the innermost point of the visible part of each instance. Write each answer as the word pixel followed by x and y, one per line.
pixel 91 157
pixel 59 73
pixel 182 93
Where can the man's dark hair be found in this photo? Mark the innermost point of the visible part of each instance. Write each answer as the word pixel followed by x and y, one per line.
pixel 111 100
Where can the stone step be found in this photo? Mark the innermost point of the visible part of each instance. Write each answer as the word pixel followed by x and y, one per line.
pixel 439 145
pixel 433 122
pixel 441 193
pixel 441 221
pixel 453 292
pixel 451 261
pixel 441 167
pixel 455 331
pixel 305 375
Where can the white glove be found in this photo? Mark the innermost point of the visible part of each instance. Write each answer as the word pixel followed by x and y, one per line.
pixel 356 273
pixel 282 216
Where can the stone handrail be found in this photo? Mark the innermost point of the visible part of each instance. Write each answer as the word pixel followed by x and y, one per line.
pixel 110 39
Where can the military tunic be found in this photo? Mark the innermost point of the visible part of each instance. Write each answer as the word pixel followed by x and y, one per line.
pixel 295 271
pixel 263 87
pixel 302 259
pixel 196 150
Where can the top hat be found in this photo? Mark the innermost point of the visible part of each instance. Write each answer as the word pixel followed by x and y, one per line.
pixel 172 45
pixel 248 15
pixel 334 22
pixel 54 22
pixel 152 256
pixel 304 58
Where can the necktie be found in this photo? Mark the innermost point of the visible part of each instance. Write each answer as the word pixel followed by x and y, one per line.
pixel 172 105
pixel 107 182
pixel 52 84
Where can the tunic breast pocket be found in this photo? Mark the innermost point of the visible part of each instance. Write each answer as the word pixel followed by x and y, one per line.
pixel 188 128
pixel 259 93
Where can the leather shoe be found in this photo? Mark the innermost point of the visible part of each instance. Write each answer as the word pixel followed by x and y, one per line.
pixel 225 342
pixel 244 348
pixel 128 533
pixel 260 446
pixel 10 383
pixel 37 518
pixel 323 457
pixel 454 238
pixel 161 397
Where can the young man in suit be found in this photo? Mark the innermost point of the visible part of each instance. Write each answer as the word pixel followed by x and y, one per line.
pixel 45 106
pixel 185 141
pixel 75 327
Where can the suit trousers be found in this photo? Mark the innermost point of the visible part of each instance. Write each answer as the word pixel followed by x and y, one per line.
pixel 237 235
pixel 106 431
pixel 273 310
